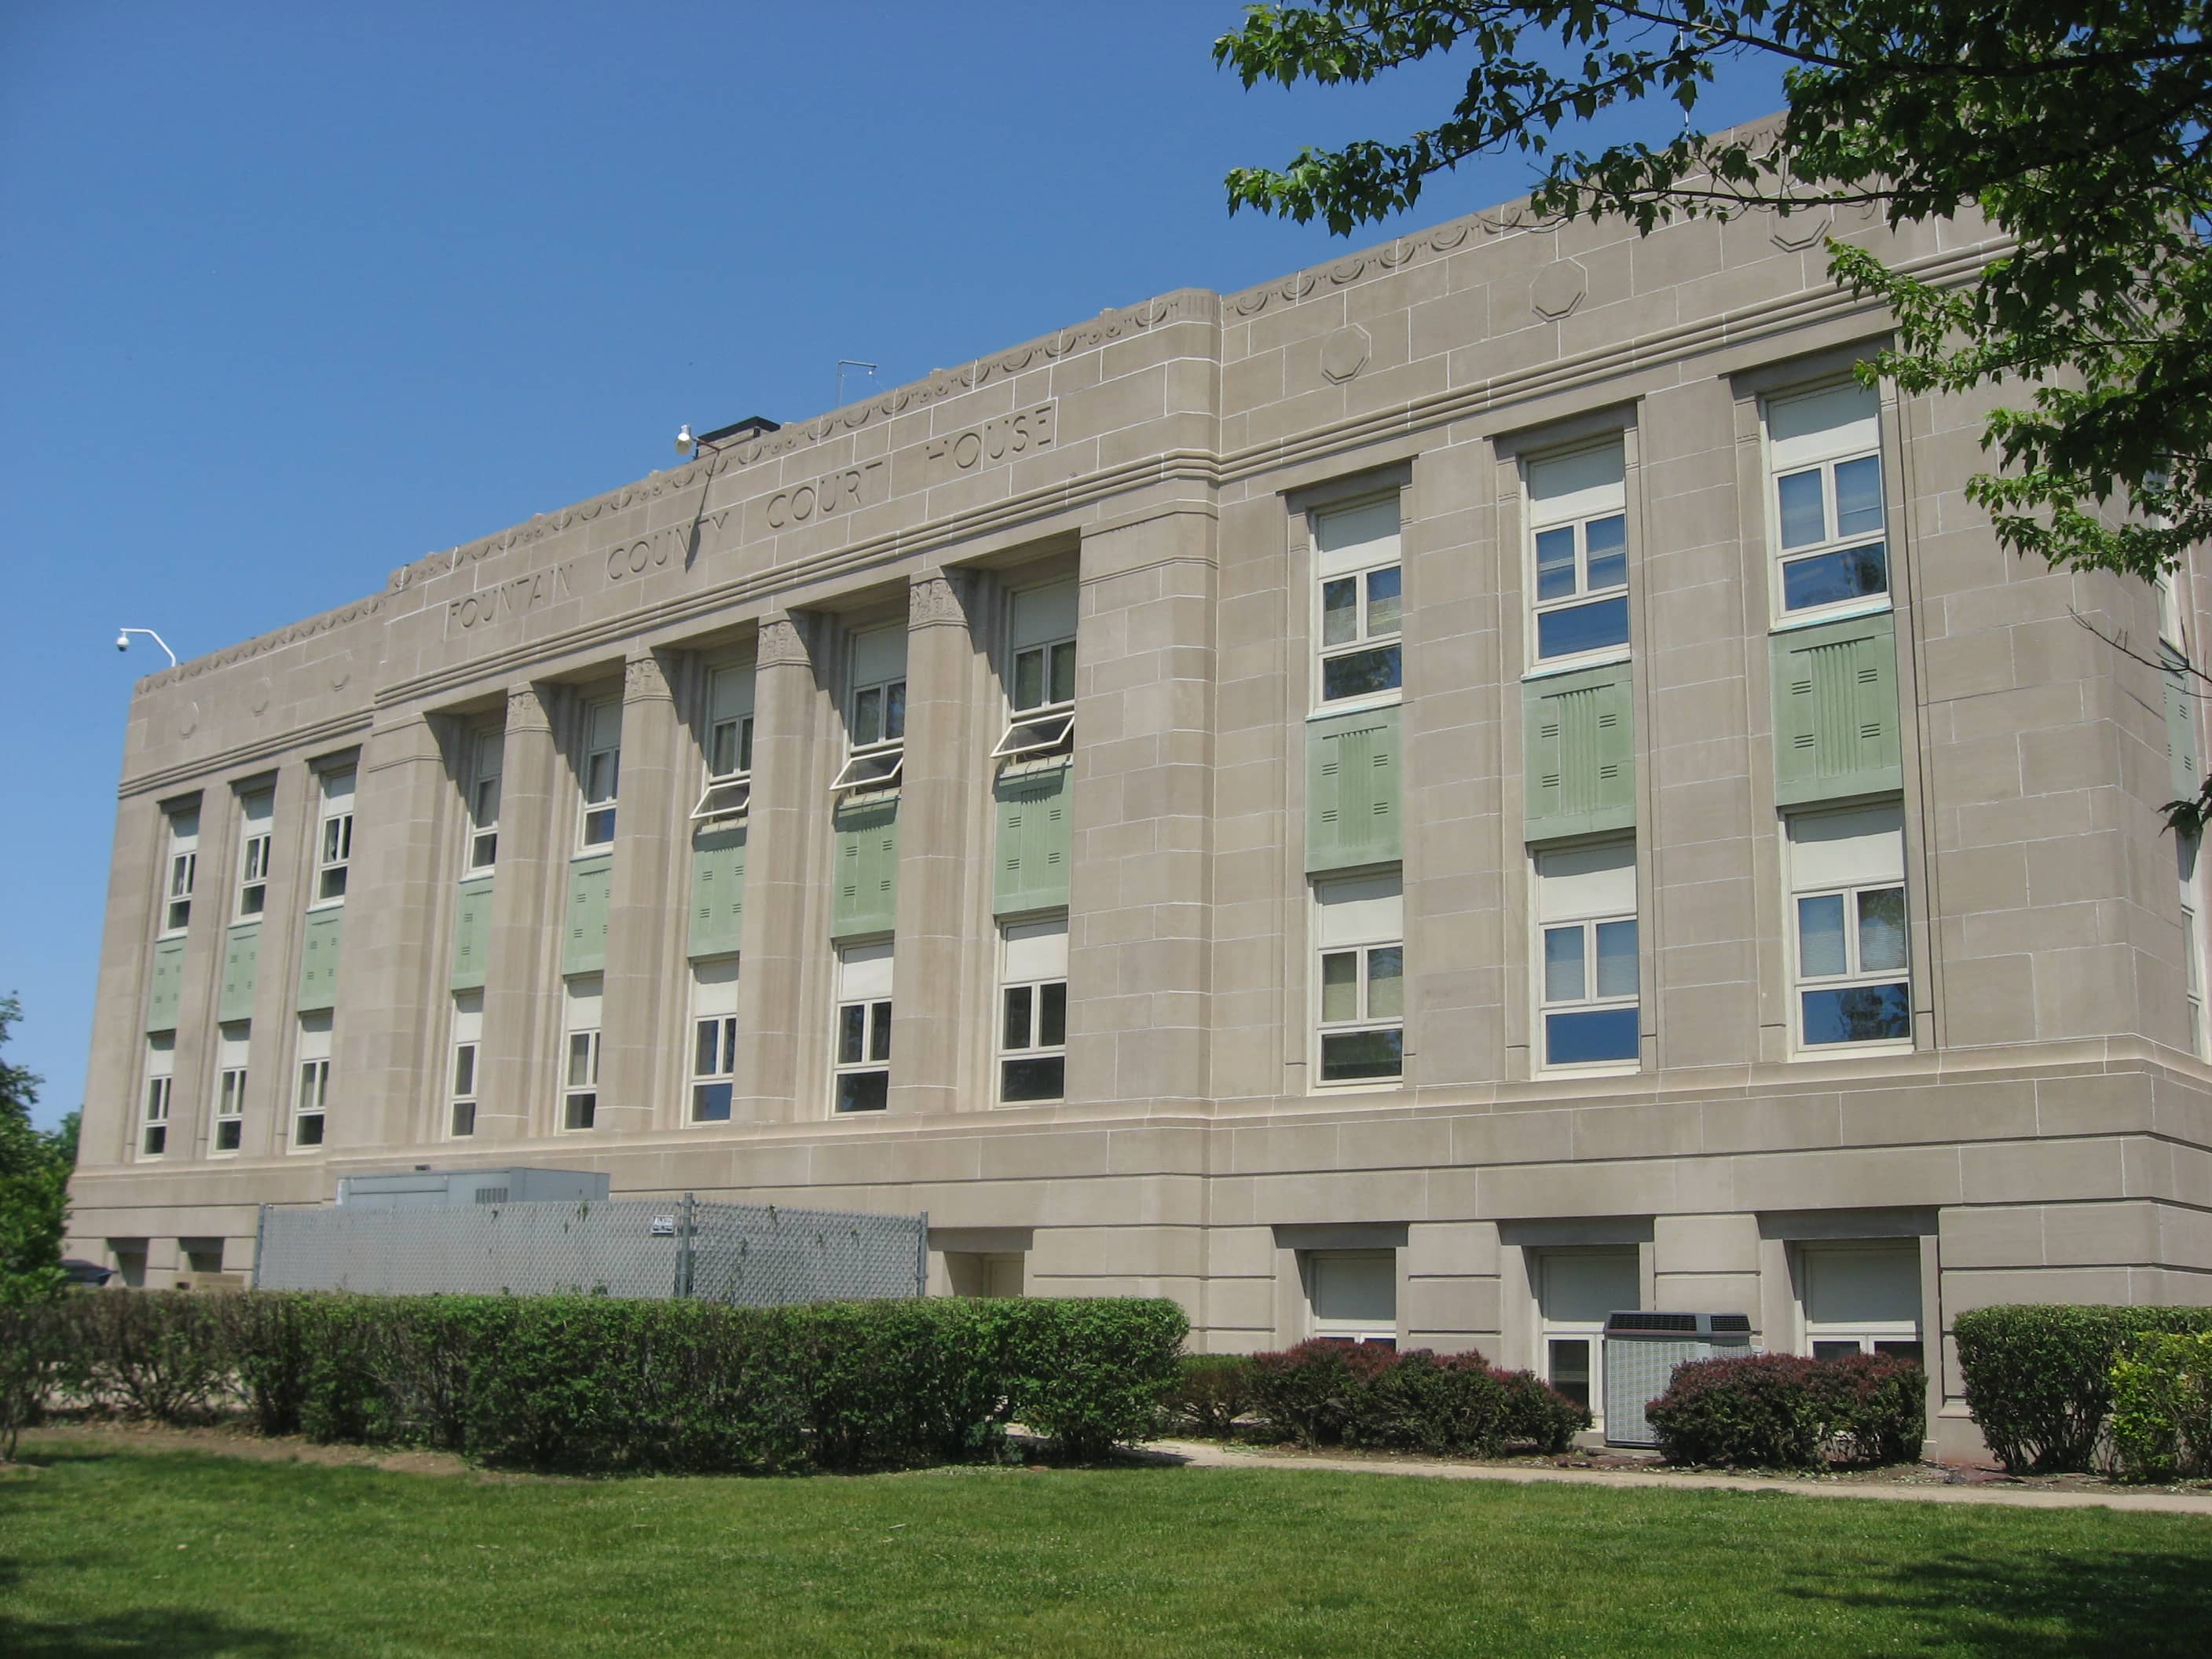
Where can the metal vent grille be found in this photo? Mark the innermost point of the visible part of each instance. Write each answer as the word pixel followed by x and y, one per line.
pixel 491 1195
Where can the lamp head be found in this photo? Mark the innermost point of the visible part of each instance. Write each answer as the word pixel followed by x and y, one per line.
pixel 683 438
pixel 121 641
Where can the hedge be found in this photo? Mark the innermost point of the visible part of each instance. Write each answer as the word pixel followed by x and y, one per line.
pixel 2038 1380
pixel 2162 1406
pixel 603 1384
pixel 1214 1390
pixel 1784 1410
pixel 1321 1393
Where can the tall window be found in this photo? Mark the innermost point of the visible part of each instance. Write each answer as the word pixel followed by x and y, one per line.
pixel 714 1038
pixel 875 711
pixel 2192 939
pixel 1359 925
pixel 468 1036
pixel 1041 688
pixel 311 1103
pixel 256 807
pixel 487 759
pixel 160 1068
pixel 600 773
pixel 1825 450
pixel 1352 1295
pixel 1356 602
pixel 334 838
pixel 230 1086
pixel 1576 1290
pixel 863 1062
pixel 1578 541
pixel 1033 1011
pixel 1848 916
pixel 1861 1298
pixel 579 1074
pixel 1586 966
pixel 184 868
pixel 729 788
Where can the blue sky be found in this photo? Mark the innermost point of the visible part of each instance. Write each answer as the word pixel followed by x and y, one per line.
pixel 297 293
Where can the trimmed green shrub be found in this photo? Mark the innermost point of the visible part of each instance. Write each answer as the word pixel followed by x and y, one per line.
pixel 2162 1406
pixel 1784 1411
pixel 1454 1404
pixel 1321 1393
pixel 30 1362
pixel 1092 1373
pixel 1213 1390
pixel 1539 1415
pixel 2038 1379
pixel 160 1355
pixel 1316 1392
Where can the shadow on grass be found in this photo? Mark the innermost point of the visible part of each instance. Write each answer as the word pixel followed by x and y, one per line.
pixel 2027 1605
pixel 168 1632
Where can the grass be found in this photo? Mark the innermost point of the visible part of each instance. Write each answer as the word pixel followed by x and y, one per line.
pixel 114 1551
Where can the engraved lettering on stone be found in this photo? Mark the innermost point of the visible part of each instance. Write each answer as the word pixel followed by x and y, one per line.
pixel 992 442
pixel 672 545
pixel 510 599
pixel 845 490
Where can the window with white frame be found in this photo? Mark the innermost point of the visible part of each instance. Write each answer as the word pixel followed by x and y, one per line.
pixel 1360 978
pixel 334 837
pixel 256 808
pixel 160 1069
pixel 1860 1298
pixel 1823 451
pixel 729 788
pixel 2192 937
pixel 311 1102
pixel 231 1053
pixel 1041 683
pixel 1357 603
pixel 1586 969
pixel 1576 1290
pixel 875 711
pixel 2173 624
pixel 714 1038
pixel 598 774
pixel 182 868
pixel 487 760
pixel 580 1065
pixel 1579 546
pixel 468 1037
pixel 1033 1011
pixel 1848 927
pixel 1351 1296
pixel 862 1065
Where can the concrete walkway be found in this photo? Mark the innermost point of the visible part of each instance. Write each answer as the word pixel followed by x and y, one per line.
pixel 1208 1454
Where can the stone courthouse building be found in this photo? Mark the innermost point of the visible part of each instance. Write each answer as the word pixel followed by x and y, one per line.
pixel 1478 784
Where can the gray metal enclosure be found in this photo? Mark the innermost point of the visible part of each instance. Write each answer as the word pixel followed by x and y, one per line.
pixel 751 1254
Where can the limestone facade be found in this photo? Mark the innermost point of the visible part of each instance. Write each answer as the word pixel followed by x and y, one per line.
pixel 1190 487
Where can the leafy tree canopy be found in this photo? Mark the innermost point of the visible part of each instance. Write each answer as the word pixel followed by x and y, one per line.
pixel 2079 130
pixel 33 1186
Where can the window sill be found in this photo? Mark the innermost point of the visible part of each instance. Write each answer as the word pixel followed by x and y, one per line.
pixel 1849 1051
pixel 1356 705
pixel 1595 1068
pixel 327 904
pixel 1606 659
pixel 1797 619
pixel 1372 1086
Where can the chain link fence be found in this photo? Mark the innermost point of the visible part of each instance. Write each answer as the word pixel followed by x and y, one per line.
pixel 751 1254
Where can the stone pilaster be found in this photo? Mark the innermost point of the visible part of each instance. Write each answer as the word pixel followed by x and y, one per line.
pixel 522 987
pixel 781 1057
pixel 1139 981
pixel 118 1021
pixel 943 848
pixel 638 1057
pixel 390 987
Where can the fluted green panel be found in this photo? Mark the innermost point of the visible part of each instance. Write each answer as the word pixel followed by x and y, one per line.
pixel 471 934
pixel 584 945
pixel 1835 711
pixel 1355 813
pixel 1579 753
pixel 2184 759
pixel 867 900
pixel 241 961
pixel 168 984
pixel 1034 838
pixel 717 891
pixel 319 960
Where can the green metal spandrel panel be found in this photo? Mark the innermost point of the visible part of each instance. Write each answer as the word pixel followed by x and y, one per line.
pixel 471 934
pixel 867 899
pixel 717 891
pixel 319 960
pixel 168 980
pixel 1579 753
pixel 1835 711
pixel 241 963
pixel 1034 839
pixel 584 945
pixel 1355 811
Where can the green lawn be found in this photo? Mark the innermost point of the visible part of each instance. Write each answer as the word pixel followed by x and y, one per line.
pixel 115 1551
